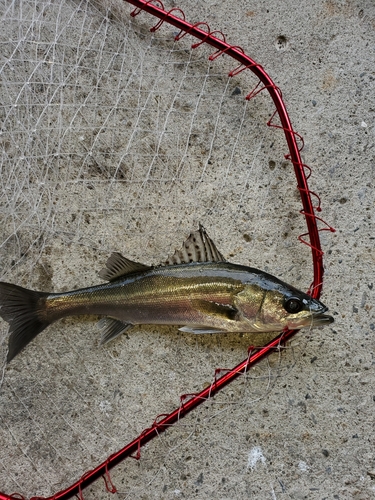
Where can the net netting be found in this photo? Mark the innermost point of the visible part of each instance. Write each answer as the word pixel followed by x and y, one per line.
pixel 114 138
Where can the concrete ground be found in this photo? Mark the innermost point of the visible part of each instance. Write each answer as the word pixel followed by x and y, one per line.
pixel 116 139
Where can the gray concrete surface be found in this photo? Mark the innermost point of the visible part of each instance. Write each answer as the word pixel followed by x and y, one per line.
pixel 115 139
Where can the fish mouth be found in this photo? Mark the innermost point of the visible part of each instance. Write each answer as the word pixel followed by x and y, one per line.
pixel 321 319
pixel 318 318
pixel 313 319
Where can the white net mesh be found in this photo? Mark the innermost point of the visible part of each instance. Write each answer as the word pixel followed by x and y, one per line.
pixel 113 138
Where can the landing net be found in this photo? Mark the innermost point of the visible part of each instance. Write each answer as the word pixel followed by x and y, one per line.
pixel 117 138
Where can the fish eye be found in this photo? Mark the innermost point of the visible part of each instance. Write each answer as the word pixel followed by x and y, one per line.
pixel 293 305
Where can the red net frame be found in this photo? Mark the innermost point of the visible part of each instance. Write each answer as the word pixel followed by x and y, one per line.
pixel 188 402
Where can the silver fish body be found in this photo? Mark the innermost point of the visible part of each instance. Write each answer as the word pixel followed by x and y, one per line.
pixel 220 295
pixel 204 296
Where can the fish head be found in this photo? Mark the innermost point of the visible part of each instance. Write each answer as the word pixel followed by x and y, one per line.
pixel 283 306
pixel 293 309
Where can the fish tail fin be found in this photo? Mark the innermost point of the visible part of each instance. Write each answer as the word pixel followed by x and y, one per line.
pixel 25 312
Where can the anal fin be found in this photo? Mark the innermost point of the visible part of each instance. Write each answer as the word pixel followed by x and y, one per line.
pixel 111 328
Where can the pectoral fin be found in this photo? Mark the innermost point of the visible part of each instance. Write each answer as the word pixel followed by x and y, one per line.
pixel 200 329
pixel 111 328
pixel 223 311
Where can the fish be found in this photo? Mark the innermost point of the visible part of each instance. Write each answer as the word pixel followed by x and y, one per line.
pixel 195 289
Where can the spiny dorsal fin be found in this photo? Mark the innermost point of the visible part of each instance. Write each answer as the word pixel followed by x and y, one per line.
pixel 197 248
pixel 117 265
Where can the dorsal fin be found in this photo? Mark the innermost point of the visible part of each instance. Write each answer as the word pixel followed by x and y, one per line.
pixel 117 265
pixel 197 248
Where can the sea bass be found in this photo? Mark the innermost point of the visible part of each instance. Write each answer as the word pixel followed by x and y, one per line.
pixel 196 287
